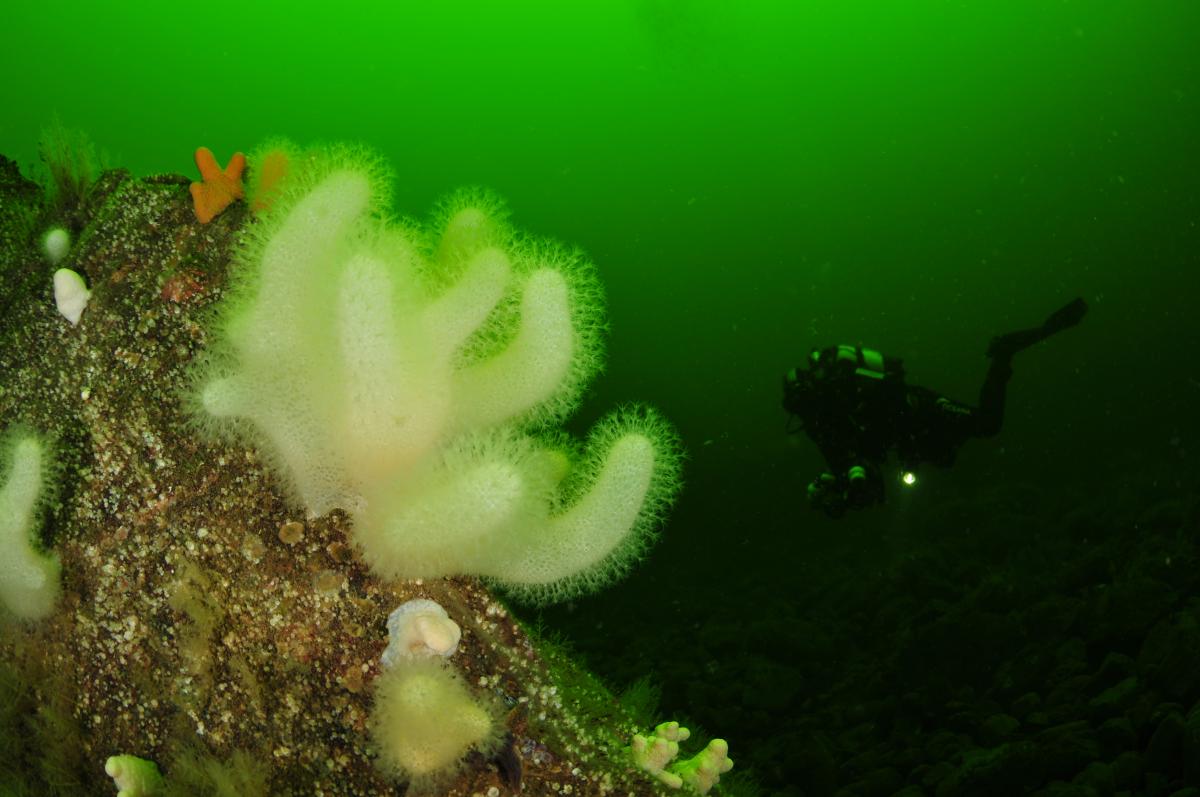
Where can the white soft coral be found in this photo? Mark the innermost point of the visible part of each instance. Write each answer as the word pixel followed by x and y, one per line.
pixel 656 754
pixel 29 579
pixel 397 375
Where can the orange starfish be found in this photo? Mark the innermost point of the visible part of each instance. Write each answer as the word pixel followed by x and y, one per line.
pixel 219 186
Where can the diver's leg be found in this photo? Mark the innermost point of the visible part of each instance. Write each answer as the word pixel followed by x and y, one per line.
pixel 989 416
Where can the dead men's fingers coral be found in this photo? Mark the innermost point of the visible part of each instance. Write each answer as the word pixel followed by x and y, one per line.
pixel 29 579
pixel 270 374
pixel 413 377
pixel 605 517
pixel 425 721
pixel 704 770
pixel 656 754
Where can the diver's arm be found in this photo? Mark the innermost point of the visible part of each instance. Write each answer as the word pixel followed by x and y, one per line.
pixel 934 428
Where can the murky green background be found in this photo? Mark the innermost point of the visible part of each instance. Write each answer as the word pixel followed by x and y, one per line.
pixel 753 179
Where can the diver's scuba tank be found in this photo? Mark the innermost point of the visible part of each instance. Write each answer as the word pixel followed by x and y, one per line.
pixel 836 370
pixel 862 370
pixel 856 360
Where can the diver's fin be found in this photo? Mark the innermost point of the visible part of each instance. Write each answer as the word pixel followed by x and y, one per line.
pixel 1065 317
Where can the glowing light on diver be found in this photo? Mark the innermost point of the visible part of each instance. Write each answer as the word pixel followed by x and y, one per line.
pixel 909 478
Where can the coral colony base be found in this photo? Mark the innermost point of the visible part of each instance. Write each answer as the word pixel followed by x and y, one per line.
pixel 293 434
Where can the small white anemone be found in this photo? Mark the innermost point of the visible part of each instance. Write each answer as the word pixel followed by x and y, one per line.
pixel 133 776
pixel 56 243
pixel 420 627
pixel 71 294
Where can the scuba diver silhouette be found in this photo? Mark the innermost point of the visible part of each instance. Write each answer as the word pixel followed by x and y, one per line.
pixel 854 404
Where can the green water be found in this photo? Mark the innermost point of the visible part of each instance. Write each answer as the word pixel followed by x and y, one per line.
pixel 752 179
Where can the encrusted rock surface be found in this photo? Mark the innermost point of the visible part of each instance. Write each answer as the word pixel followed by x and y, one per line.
pixel 201 614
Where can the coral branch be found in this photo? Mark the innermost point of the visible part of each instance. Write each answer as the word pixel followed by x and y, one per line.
pixel 29 584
